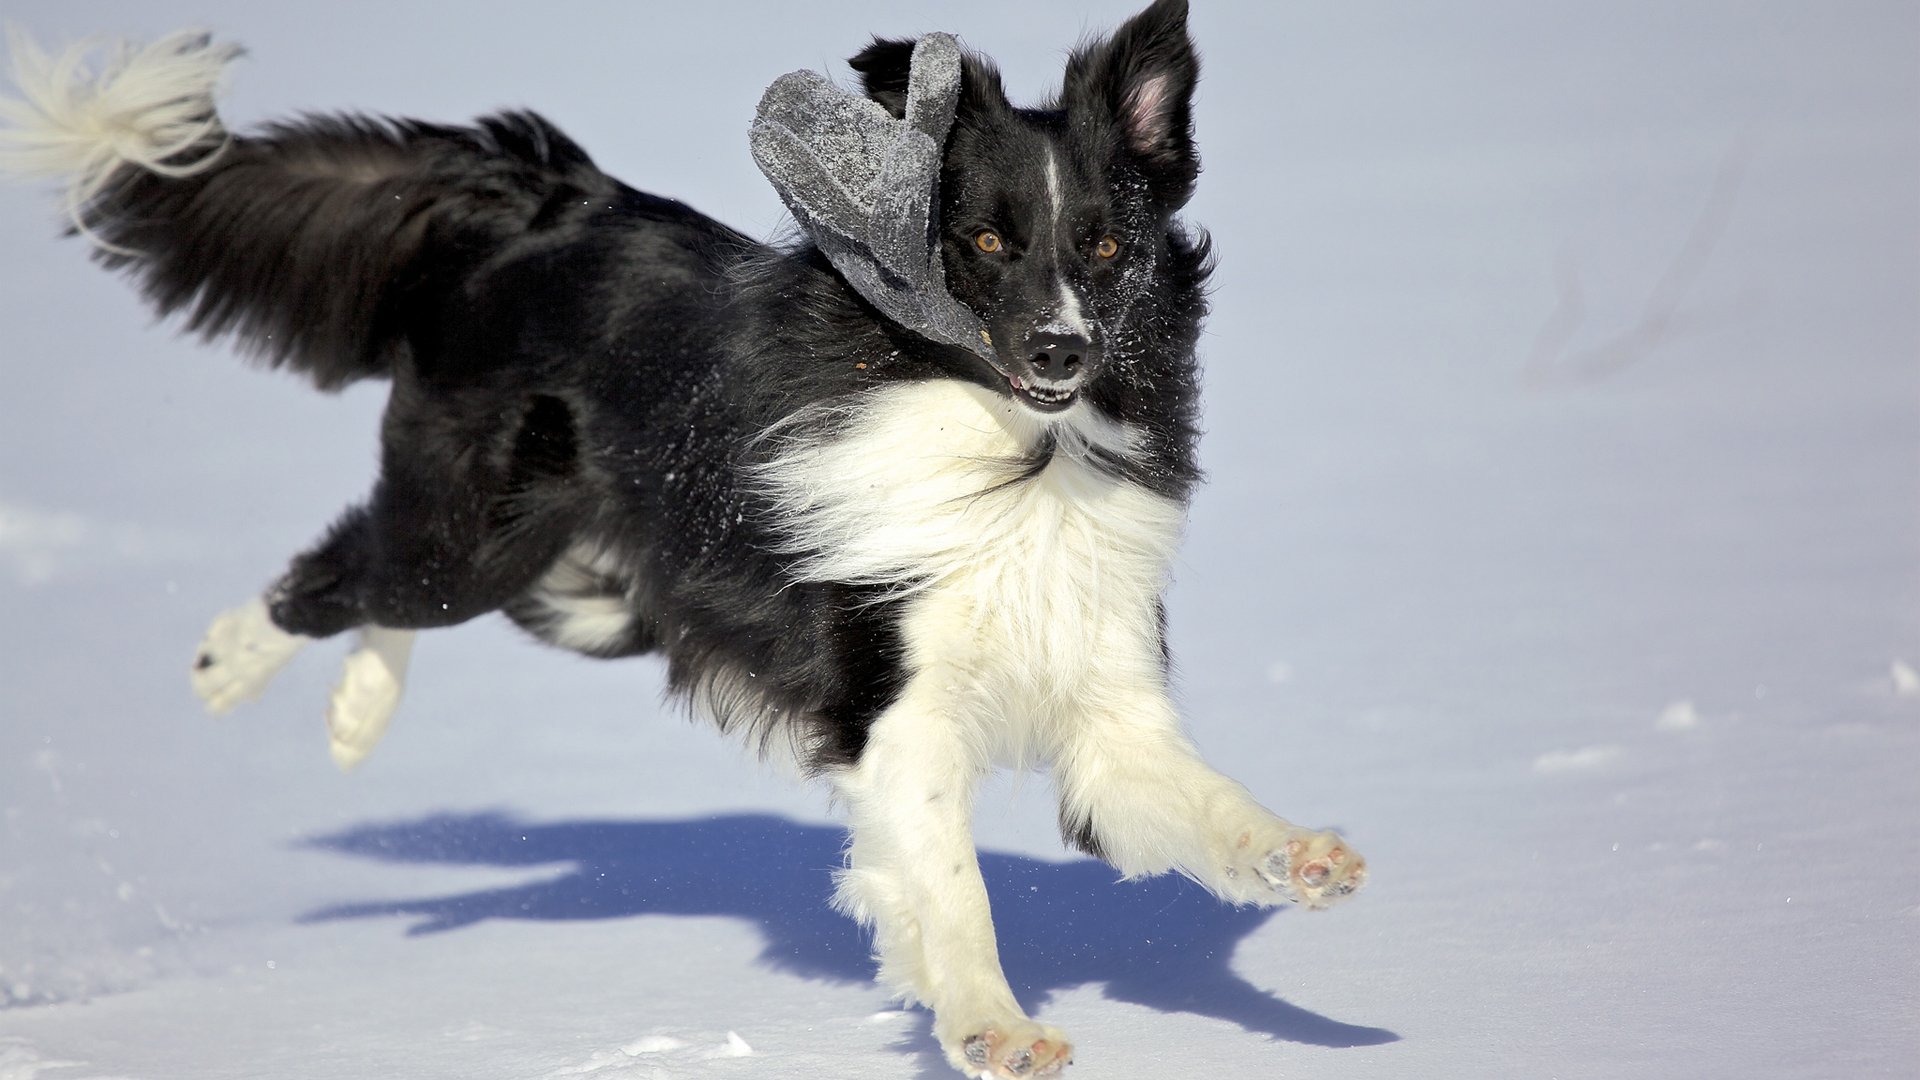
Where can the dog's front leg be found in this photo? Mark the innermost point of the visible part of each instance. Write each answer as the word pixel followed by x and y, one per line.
pixel 912 875
pixel 1135 792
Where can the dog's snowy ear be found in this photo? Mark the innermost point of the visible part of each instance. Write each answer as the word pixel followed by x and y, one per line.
pixel 1141 79
pixel 884 67
pixel 981 91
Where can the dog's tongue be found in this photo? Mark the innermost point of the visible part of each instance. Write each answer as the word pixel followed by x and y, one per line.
pixel 864 185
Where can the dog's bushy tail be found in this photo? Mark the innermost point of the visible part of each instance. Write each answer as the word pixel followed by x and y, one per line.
pixel 304 241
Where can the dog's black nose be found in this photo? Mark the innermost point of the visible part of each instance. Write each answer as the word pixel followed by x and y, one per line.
pixel 1058 357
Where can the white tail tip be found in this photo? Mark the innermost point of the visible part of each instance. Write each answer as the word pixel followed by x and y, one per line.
pixel 148 105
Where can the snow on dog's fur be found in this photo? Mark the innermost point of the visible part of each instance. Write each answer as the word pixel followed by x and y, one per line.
pixel 633 430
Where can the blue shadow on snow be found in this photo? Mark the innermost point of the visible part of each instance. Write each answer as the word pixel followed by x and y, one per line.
pixel 1164 942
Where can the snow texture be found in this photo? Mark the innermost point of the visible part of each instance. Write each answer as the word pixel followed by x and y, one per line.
pixel 1564 370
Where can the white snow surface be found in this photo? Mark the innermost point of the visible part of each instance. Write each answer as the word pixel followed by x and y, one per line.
pixel 1564 370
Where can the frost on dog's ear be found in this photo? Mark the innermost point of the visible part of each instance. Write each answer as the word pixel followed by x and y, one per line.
pixel 1141 79
pixel 884 67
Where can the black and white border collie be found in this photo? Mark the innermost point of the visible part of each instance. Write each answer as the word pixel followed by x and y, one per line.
pixel 635 430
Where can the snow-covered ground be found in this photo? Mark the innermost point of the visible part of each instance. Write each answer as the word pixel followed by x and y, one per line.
pixel 1562 547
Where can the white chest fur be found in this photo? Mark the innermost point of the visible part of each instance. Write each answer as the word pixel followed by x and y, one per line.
pixel 1032 597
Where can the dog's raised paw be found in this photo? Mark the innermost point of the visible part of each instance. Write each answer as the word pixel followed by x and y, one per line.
pixel 371 682
pixel 1314 869
pixel 240 655
pixel 1015 1050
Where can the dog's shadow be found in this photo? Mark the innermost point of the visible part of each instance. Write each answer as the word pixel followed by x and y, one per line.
pixel 1163 942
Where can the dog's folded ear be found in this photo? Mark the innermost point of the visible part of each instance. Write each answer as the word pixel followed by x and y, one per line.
pixel 862 178
pixel 884 68
pixel 1141 80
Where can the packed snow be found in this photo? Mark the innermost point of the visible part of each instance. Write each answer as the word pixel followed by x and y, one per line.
pixel 1562 548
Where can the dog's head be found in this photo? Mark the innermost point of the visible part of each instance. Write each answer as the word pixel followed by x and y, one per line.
pixel 1053 221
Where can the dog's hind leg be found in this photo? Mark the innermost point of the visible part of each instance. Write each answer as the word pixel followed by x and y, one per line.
pixel 245 649
pixel 444 538
pixel 240 655
pixel 460 523
pixel 317 597
pixel 367 694
pixel 247 646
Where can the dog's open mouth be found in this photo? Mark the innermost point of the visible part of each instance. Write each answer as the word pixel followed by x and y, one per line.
pixel 1043 398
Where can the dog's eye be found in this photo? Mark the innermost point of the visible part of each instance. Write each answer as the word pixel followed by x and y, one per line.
pixel 1107 248
pixel 987 240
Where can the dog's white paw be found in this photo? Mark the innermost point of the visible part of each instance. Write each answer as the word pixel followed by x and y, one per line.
pixel 242 652
pixel 363 702
pixel 1316 869
pixel 1012 1049
pixel 1276 862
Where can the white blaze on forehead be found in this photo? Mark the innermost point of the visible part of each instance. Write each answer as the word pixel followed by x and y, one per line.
pixel 1068 319
pixel 1053 189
